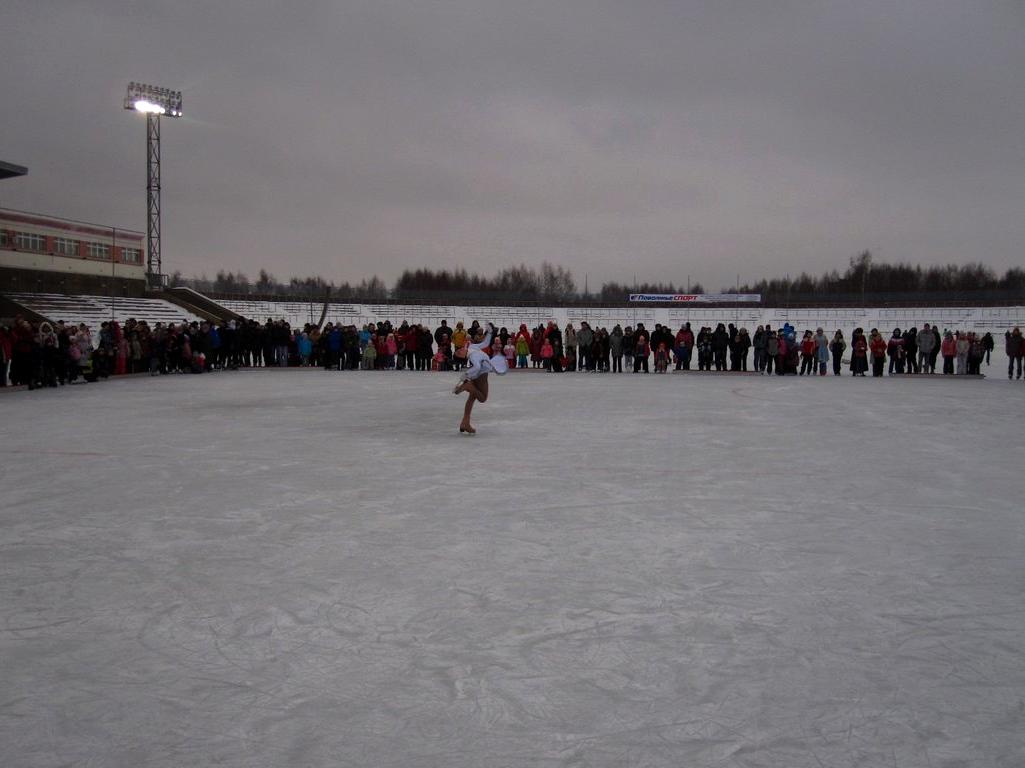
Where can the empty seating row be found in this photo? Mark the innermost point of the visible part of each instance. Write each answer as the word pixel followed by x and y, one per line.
pixel 93 310
pixel 261 311
pixel 250 308
pixel 1002 315
pixel 412 310
pixel 583 314
pixel 713 315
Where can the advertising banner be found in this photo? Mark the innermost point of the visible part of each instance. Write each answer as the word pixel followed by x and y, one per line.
pixel 698 298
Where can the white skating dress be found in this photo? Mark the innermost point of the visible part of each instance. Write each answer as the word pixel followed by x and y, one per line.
pixel 479 363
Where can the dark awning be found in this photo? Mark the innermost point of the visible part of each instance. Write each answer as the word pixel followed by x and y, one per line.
pixel 10 170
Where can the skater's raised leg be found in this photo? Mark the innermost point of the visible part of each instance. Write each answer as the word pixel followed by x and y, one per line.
pixel 477 391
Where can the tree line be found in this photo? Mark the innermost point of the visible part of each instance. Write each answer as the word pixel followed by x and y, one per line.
pixel 864 276
pixel 552 283
pixel 266 284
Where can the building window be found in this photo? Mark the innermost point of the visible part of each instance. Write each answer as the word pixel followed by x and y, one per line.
pixel 65 247
pixel 98 251
pixel 27 241
pixel 131 256
pixel 5 240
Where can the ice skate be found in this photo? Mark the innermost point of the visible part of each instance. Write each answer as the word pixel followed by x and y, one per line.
pixel 467 428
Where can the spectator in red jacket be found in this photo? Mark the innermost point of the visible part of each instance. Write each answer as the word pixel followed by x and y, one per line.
pixel 807 354
pixel 948 348
pixel 412 341
pixel 683 347
pixel 877 346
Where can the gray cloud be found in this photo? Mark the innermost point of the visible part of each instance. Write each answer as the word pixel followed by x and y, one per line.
pixel 656 139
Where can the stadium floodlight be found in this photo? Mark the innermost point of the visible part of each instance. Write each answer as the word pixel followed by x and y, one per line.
pixel 148 106
pixel 153 102
pixel 152 99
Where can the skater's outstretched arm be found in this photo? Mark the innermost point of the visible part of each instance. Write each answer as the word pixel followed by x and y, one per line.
pixel 486 341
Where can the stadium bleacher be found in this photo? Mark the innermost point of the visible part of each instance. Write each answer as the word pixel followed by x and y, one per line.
pixel 299 313
pixel 93 310
pixel 296 313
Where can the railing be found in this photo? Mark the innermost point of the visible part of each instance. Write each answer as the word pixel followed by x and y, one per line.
pixel 793 301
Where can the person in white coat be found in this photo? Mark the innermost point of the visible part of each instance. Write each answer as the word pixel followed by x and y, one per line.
pixel 474 379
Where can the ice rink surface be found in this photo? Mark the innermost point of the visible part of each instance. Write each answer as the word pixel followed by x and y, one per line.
pixel 302 568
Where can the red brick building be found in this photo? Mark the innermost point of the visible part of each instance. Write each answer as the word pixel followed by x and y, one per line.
pixel 39 252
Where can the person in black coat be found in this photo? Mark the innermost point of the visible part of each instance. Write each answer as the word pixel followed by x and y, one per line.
pixel 628 344
pixel 641 348
pixel 988 344
pixel 230 346
pixel 734 352
pixel 442 330
pixel 424 349
pixel 720 341
pixel 704 347
pixel 911 349
pixel 739 350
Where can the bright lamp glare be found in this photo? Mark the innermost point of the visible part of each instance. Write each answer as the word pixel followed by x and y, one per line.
pixel 148 106
pixel 152 100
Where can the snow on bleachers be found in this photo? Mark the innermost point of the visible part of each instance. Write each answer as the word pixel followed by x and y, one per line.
pixel 1001 316
pixel 995 319
pixel 576 313
pixel 294 312
pixel 93 310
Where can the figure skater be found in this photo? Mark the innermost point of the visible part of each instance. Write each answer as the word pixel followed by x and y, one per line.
pixel 474 380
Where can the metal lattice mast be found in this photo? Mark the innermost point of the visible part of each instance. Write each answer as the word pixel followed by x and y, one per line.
pixel 153 270
pixel 153 102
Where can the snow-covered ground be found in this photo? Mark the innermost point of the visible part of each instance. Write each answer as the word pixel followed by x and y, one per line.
pixel 301 568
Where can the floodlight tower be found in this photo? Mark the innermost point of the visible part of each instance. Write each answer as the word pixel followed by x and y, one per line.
pixel 153 102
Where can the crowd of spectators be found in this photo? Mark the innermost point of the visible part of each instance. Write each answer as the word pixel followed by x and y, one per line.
pixel 50 355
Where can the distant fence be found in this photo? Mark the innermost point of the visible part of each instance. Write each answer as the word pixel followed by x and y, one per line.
pixel 795 301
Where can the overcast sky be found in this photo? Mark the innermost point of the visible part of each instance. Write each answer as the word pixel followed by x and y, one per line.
pixel 641 139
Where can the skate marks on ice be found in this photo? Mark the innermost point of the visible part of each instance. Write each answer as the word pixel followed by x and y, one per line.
pixel 629 572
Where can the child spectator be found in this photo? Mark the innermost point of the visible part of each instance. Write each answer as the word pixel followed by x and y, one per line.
pixel 661 358
pixel 391 350
pixel 522 350
pixel 641 352
pixel 438 362
pixel 547 353
pixel 948 348
pixel 305 350
pixel 370 355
